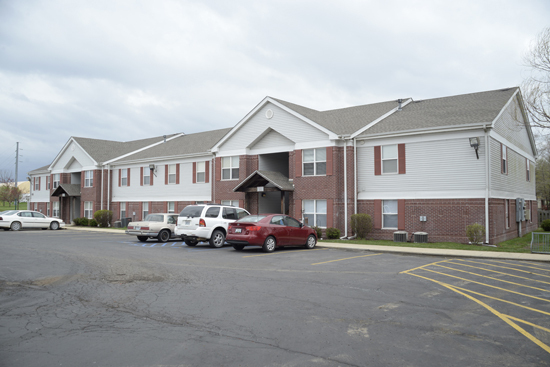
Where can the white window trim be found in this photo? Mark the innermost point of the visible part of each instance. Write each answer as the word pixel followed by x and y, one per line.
pixel 172 175
pixel 230 168
pixel 504 162
pixel 146 174
pixel 89 210
pixel 88 178
pixel 56 180
pixel 201 168
pixel 315 212
pixel 124 177
pixel 55 212
pixel 173 209
pixel 144 212
pixel 396 159
pixel 396 214
pixel 123 209
pixel 315 161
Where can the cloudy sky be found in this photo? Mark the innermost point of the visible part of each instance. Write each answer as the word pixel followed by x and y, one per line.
pixel 126 70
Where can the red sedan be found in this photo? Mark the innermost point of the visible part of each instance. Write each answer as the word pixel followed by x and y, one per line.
pixel 270 231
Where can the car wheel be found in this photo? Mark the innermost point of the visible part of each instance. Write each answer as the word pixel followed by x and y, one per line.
pixel 218 239
pixel 238 247
pixel 142 238
pixel 269 244
pixel 311 242
pixel 191 243
pixel 54 225
pixel 164 235
pixel 15 226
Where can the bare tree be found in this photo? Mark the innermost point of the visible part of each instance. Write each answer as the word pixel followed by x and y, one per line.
pixel 6 177
pixel 536 88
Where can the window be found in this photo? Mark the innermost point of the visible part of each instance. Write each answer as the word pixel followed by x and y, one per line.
pixel 171 174
pixel 146 176
pixel 230 213
pixel 201 172
pixel 145 208
pixel 504 159
pixel 48 183
pixel 48 209
pixel 389 158
pixel 36 183
pixel 230 168
pixel 315 162
pixel 88 210
pixel 507 211
pixel 230 202
pixel 315 213
pixel 88 179
pixel 528 171
pixel 171 207
pixel 56 179
pixel 389 214
pixel 35 207
pixel 212 212
pixel 55 209
pixel 124 177
pixel 122 210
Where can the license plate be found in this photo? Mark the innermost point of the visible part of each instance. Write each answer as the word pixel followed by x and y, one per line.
pixel 187 222
pixel 238 230
pixel 138 228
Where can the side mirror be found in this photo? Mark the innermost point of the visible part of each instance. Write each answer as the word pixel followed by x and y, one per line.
pixel 301 225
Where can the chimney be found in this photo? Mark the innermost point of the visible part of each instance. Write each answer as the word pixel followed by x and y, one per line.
pixel 164 136
pixel 399 108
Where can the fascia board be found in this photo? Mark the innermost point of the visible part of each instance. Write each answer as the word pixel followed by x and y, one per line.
pixel 331 134
pixel 156 159
pixel 389 113
pixel 65 149
pixel 142 149
pixel 527 123
pixel 426 131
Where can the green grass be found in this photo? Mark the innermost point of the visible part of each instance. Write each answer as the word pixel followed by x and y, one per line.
pixel 514 245
pixel 4 206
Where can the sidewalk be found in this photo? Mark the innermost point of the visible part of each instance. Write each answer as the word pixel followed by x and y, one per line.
pixel 392 249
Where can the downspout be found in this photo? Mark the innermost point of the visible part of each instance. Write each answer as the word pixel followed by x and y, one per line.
pixel 102 172
pixel 354 176
pixel 108 187
pixel 345 188
pixel 487 183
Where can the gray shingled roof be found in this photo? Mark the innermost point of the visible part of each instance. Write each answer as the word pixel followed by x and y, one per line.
pixel 39 170
pixel 262 178
pixel 69 189
pixel 344 121
pixel 184 145
pixel 466 109
pixel 104 150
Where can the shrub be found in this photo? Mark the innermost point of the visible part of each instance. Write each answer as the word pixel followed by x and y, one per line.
pixel 361 224
pixel 475 233
pixel 92 223
pixel 103 217
pixel 319 232
pixel 80 221
pixel 333 233
pixel 77 221
pixel 545 225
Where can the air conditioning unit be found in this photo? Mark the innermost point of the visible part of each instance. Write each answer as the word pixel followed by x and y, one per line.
pixel 400 236
pixel 420 237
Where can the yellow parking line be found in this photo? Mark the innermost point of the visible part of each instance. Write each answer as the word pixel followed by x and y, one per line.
pixel 347 258
pixel 423 266
pixel 506 267
pixel 528 323
pixel 525 266
pixel 500 272
pixel 285 252
pixel 488 285
pixel 500 280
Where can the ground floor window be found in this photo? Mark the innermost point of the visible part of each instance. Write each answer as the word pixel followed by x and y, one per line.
pixel 145 210
pixel 230 202
pixel 315 213
pixel 389 214
pixel 122 210
pixel 171 207
pixel 48 209
pixel 88 210
pixel 507 211
pixel 55 209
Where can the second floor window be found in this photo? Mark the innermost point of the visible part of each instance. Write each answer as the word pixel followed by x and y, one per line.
pixel 315 162
pixel 124 177
pixel 56 179
pixel 48 185
pixel 88 178
pixel 389 158
pixel 230 168
pixel 315 212
pixel 36 183
pixel 504 159
pixel 172 174
pixel 201 172
pixel 146 176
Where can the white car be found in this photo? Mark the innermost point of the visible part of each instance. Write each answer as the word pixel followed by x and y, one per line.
pixel 207 222
pixel 18 219
pixel 159 225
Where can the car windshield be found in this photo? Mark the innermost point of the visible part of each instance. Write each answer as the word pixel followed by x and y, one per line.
pixel 154 218
pixel 252 218
pixel 9 212
pixel 192 211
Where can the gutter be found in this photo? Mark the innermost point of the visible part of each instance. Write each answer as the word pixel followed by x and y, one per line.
pixel 487 182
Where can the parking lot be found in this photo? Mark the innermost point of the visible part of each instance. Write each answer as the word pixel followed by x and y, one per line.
pixel 101 299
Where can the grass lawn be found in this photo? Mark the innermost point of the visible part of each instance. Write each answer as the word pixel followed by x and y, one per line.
pixel 22 206
pixel 514 245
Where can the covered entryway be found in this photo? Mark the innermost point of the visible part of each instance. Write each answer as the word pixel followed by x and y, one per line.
pixel 69 201
pixel 267 192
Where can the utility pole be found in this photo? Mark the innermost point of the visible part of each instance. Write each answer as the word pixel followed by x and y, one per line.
pixel 16 169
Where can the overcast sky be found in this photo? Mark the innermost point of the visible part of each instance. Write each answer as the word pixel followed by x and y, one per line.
pixel 126 70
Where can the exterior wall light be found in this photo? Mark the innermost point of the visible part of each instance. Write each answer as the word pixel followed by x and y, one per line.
pixel 474 143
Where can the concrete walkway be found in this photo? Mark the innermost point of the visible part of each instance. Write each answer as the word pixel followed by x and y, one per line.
pixel 394 249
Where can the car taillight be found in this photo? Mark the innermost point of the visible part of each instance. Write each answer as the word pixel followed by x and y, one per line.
pixel 253 228
pixel 130 227
pixel 202 223
pixel 145 228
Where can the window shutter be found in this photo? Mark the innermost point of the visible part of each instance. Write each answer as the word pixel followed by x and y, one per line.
pixel 166 174
pixel 207 172
pixel 194 172
pixel 177 174
pixel 329 213
pixel 82 179
pixel 218 163
pixel 298 164
pixel 400 214
pixel 377 161
pixel 119 177
pixel 501 166
pixel 140 176
pixel 128 177
pixel 377 213
pixel 95 177
pixel 151 176
pixel 401 157
pixel 298 209
pixel 39 183
pixel 329 160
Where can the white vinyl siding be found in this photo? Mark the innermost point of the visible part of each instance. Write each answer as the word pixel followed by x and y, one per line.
pixel 270 140
pixel 511 126
pixel 514 184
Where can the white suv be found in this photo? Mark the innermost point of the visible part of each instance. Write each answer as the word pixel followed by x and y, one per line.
pixel 207 222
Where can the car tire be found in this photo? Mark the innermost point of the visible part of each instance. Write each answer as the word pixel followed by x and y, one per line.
pixel 142 238
pixel 311 242
pixel 191 243
pixel 15 226
pixel 217 239
pixel 6 229
pixel 164 235
pixel 269 244
pixel 54 225
pixel 238 247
